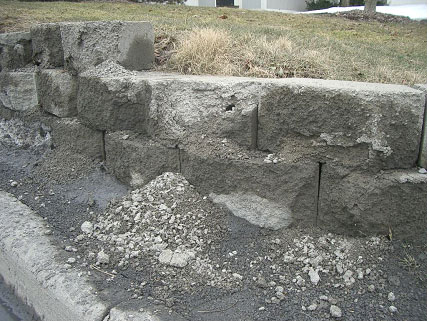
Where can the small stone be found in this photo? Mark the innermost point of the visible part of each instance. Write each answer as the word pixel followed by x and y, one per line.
pixel 280 289
pixel 237 276
pixel 71 260
pixel 303 308
pixel 335 311
pixel 314 276
pixel 103 258
pixel 13 184
pixel 323 298
pixel 312 307
pixel 393 309
pixel 87 227
pixel 391 297
pixel 422 171
pixel 165 256
pixel 272 283
pixel 262 308
pixel 371 288
pixel 67 266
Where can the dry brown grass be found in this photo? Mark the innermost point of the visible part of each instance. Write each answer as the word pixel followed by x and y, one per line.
pixel 253 43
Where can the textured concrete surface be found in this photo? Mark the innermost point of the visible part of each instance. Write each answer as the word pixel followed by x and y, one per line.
pixel 57 92
pixel 225 107
pixel 256 210
pixel 113 104
pixel 87 44
pixel 387 119
pixel 70 134
pixel 365 204
pixel 422 161
pixel 15 50
pixel 18 90
pixel 47 45
pixel 136 159
pixel 292 185
pixel 28 262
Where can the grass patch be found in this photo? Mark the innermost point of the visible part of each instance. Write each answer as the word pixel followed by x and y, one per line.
pixel 226 41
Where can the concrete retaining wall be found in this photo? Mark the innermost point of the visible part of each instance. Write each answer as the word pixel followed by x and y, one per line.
pixel 341 155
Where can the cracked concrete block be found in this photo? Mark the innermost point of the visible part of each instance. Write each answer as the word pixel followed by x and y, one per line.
pixel 71 134
pixel 379 123
pixel 357 203
pixel 292 187
pixel 222 107
pixel 18 91
pixel 47 45
pixel 87 44
pixel 57 92
pixel 113 103
pixel 136 159
pixel 15 50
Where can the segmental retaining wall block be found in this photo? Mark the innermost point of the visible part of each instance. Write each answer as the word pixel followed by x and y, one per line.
pixel 293 186
pixel 47 45
pixel 136 159
pixel 18 90
pixel 385 118
pixel 15 50
pixel 422 161
pixel 57 92
pixel 364 204
pixel 117 103
pixel 183 106
pixel 71 134
pixel 81 45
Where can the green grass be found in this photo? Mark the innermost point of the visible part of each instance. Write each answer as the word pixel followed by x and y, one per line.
pixel 256 43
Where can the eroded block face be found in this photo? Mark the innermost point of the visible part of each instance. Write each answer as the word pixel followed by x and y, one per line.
pixel 57 92
pixel 136 159
pixel 18 91
pixel 87 44
pixel 69 133
pixel 15 50
pixel 213 107
pixel 293 186
pixel 47 45
pixel 113 104
pixel 357 203
pixel 334 117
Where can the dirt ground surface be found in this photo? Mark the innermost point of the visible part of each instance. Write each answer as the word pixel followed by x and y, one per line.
pixel 167 244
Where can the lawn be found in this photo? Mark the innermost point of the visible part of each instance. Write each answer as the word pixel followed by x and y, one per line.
pixel 227 41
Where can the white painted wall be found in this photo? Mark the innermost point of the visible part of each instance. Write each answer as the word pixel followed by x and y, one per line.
pixel 201 3
pixel 404 2
pixel 296 5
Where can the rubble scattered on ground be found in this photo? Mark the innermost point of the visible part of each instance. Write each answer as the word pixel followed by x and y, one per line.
pixel 168 228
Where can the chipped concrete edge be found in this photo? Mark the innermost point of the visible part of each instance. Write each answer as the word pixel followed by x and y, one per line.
pixel 29 265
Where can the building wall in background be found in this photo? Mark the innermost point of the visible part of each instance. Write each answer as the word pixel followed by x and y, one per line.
pixel 403 2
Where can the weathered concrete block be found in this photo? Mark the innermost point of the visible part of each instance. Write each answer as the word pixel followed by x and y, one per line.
pixel 385 119
pixel 15 50
pixel 212 168
pixel 113 103
pixel 357 203
pixel 47 45
pixel 422 161
pixel 87 44
pixel 135 159
pixel 18 91
pixel 71 134
pixel 223 107
pixel 57 92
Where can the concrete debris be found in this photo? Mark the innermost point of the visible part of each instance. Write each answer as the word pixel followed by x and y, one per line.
pixel 335 311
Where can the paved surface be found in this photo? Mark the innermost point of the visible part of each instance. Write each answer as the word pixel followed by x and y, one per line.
pixel 12 309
